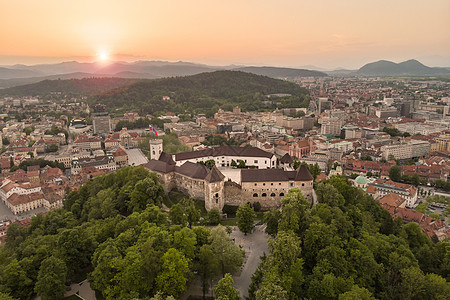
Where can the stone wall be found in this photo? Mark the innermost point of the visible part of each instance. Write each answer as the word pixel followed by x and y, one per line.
pixel 233 193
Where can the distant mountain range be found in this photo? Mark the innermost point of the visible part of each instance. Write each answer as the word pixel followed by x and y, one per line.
pixel 410 67
pixel 21 74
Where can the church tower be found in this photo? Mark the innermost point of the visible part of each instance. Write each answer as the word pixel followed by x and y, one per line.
pixel 156 147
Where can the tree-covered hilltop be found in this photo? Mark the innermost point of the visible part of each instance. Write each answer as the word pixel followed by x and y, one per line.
pixel 114 229
pixel 347 247
pixel 205 93
pixel 201 93
pixel 70 87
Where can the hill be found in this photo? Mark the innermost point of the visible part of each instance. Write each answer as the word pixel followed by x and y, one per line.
pixel 407 68
pixel 281 72
pixel 205 93
pixel 84 86
pixel 6 73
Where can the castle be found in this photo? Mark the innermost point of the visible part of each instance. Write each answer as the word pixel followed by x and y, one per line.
pixel 264 183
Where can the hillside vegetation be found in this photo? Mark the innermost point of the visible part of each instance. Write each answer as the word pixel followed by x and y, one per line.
pixel 205 93
pixel 114 229
pixel 201 93
pixel 347 247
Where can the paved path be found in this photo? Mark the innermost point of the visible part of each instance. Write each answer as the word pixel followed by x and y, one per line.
pixel 255 245
pixel 82 290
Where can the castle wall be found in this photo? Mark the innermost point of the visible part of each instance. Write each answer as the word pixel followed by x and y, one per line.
pixel 217 194
pixel 233 193
pixel 214 195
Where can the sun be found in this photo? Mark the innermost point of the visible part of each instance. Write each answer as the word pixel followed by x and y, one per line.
pixel 103 56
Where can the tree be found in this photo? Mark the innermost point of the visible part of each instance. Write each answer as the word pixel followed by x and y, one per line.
pixel 184 240
pixel 241 164
pixel 4 296
pixel 176 215
pixel 16 281
pixel 272 218
pixel 146 191
pixel 246 218
pixel 227 252
pixel 213 217
pixel 160 296
pixel 395 173
pixel 192 213
pixel 75 247
pixel 173 276
pixel 271 291
pixel 356 293
pixel 51 279
pixel 225 289
pixel 207 267
pixel 233 163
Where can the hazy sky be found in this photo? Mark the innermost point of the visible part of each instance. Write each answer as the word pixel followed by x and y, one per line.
pixel 325 33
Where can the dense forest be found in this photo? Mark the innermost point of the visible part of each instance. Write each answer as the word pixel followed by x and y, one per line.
pixel 205 93
pixel 348 247
pixel 114 230
pixel 201 93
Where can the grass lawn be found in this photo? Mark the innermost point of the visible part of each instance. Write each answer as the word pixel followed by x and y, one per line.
pixel 229 222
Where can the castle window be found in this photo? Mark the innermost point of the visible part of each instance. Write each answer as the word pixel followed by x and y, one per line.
pixel 279 183
pixel 303 184
pixel 256 161
pixel 264 184
pixel 256 184
pixel 217 201
pixel 255 195
pixel 217 195
pixel 272 195
pixel 292 184
pixel 271 183
pixel 281 194
pixel 264 195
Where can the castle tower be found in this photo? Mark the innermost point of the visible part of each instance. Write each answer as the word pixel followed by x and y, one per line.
pixel 156 147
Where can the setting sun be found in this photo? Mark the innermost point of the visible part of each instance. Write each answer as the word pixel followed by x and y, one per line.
pixel 103 56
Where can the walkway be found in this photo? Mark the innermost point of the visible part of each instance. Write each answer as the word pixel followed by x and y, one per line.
pixel 255 245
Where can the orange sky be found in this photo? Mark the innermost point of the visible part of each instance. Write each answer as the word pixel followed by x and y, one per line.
pixel 326 33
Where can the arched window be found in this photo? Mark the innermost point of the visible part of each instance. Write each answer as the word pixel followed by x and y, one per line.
pixel 217 195
pixel 255 195
pixel 263 195
pixel 281 194
pixel 272 195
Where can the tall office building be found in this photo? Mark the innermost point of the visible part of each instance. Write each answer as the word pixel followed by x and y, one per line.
pixel 101 120
pixel 324 104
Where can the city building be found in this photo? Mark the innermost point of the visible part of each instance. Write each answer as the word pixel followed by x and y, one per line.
pixel 101 123
pixel 330 126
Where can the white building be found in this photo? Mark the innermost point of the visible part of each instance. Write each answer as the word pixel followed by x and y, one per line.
pixel 224 155
pixel 330 126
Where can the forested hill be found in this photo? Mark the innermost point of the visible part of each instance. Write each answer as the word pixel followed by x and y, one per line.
pixel 76 87
pixel 205 93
